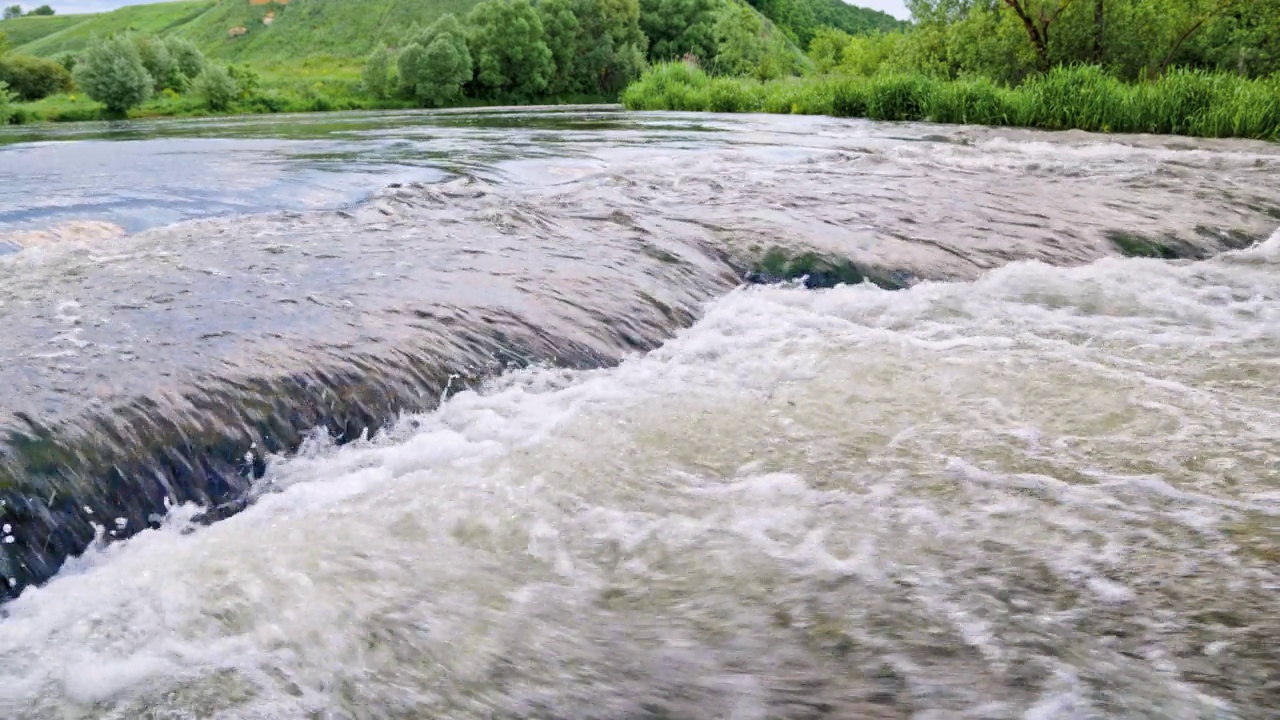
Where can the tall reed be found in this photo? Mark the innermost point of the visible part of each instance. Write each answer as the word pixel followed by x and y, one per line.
pixel 1183 102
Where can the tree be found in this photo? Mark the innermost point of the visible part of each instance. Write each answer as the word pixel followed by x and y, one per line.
pixel 564 39
pixel 509 48
pixel 32 78
pixel 826 49
pixel 217 87
pixel 42 10
pixel 679 27
pixel 111 72
pixel 1037 17
pixel 6 104
pixel 155 57
pixel 435 66
pixel 12 11
pixel 377 73
pixel 613 44
pixel 740 42
pixel 186 56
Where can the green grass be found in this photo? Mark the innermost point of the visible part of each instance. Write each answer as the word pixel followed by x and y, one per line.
pixel 158 19
pixel 346 29
pixel 23 30
pixel 1184 102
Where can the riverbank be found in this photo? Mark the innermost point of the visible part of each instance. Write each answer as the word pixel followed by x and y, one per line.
pixel 1194 103
pixel 321 94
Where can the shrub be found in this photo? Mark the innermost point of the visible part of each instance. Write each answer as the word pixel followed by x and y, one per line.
pixel 247 80
pixel 111 72
pixel 435 66
pixel 159 63
pixel 186 57
pixel 6 104
pixel 31 78
pixel 66 60
pixel 216 86
pixel 377 73
pixel 508 45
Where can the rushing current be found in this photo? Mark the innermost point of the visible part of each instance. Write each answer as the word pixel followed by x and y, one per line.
pixel 559 424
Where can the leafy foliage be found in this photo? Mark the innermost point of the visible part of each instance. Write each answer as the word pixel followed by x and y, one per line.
pixel 30 78
pixel 615 45
pixel 377 73
pixel 679 27
pixel 746 45
pixel 1190 102
pixel 6 103
pixel 12 11
pixel 564 39
pixel 112 73
pixel 436 64
pixel 216 86
pixel 159 63
pixel 186 56
pixel 508 45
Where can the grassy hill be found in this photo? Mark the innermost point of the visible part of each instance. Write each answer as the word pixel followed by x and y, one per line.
pixel 23 30
pixel 332 28
pixel 301 28
pixel 159 18
pixel 335 28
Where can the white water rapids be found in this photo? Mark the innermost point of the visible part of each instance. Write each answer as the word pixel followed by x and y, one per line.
pixel 1046 494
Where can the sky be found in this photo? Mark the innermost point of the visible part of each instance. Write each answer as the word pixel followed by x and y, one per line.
pixel 66 7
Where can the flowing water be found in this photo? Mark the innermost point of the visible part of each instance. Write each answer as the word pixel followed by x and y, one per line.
pixel 513 439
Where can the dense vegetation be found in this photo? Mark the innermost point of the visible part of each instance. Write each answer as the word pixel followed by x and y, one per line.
pixel 1198 67
pixel 1186 102
pixel 319 54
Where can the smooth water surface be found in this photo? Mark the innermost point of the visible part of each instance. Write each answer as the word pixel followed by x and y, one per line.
pixel 1041 480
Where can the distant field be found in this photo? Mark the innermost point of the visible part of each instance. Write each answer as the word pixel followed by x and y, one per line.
pixel 160 18
pixel 334 29
pixel 23 30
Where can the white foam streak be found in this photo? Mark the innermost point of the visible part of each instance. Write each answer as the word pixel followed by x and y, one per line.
pixel 824 495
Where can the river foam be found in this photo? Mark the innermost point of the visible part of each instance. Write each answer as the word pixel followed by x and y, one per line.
pixel 1048 493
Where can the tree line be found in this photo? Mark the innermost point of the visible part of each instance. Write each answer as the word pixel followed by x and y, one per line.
pixel 1010 41
pixel 516 50
pixel 15 11
pixel 122 72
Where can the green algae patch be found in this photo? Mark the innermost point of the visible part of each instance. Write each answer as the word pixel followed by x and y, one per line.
pixel 816 271
pixel 1134 245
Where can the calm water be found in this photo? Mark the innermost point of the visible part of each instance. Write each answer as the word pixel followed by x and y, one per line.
pixel 571 467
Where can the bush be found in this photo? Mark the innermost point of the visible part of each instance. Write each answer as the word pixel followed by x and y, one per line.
pixel 111 72
pixel 435 66
pixel 186 57
pixel 247 80
pixel 377 73
pixel 6 104
pixel 159 63
pixel 66 60
pixel 31 78
pixel 216 86
pixel 509 48
pixel 1194 103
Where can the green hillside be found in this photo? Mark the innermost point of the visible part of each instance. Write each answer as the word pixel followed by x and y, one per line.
pixel 333 28
pixel 853 19
pixel 336 28
pixel 159 18
pixel 23 30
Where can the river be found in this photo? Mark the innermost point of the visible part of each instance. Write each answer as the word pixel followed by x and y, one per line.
pixel 533 414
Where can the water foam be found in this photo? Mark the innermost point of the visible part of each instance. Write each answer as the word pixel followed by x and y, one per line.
pixel 1017 497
